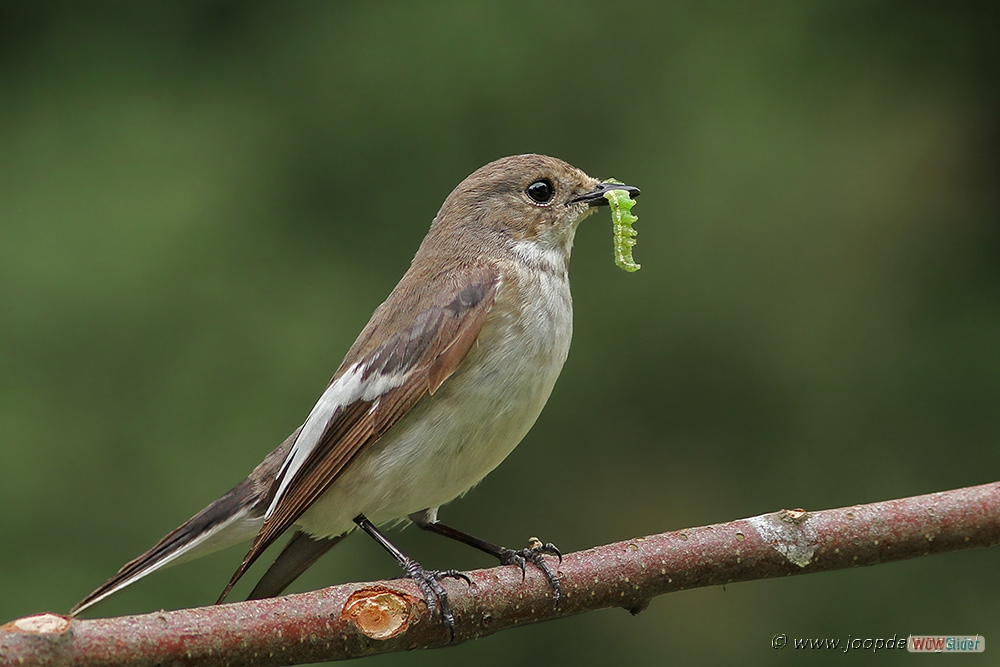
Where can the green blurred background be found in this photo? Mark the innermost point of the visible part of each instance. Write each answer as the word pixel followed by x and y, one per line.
pixel 184 260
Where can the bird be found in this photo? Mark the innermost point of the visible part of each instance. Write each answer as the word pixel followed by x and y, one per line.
pixel 447 377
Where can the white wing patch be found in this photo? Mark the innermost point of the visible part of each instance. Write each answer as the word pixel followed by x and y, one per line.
pixel 348 388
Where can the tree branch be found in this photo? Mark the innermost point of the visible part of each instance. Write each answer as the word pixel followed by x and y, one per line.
pixel 355 620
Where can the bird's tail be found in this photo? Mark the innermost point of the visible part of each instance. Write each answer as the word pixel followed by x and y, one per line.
pixel 229 520
pixel 235 517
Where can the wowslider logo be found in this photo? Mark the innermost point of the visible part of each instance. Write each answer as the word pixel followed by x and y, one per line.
pixel 946 644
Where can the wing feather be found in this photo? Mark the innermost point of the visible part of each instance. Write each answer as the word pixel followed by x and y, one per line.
pixel 373 391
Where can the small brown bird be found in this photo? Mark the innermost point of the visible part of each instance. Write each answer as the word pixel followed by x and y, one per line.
pixel 445 380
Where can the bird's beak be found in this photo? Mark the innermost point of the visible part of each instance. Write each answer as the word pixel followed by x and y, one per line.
pixel 596 196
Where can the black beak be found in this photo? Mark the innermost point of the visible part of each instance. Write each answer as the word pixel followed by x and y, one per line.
pixel 596 196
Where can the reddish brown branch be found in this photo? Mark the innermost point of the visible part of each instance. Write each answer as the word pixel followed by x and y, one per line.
pixel 354 620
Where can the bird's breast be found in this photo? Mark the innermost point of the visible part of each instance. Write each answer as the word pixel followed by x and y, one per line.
pixel 453 438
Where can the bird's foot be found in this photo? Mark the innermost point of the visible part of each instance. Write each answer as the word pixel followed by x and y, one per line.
pixel 535 553
pixel 429 583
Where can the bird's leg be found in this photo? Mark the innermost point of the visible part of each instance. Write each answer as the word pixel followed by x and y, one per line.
pixel 428 581
pixel 534 553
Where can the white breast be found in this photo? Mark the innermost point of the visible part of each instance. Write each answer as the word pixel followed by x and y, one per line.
pixel 455 437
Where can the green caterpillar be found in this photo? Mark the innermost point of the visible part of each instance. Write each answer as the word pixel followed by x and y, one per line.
pixel 622 221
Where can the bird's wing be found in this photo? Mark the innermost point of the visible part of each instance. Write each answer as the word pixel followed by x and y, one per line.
pixel 376 386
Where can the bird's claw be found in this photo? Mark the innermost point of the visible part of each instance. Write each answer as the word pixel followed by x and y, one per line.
pixel 534 553
pixel 429 583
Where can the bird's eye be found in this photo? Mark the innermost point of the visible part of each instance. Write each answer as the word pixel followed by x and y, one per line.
pixel 541 191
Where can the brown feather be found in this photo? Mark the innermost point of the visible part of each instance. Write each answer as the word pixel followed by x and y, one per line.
pixel 428 351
